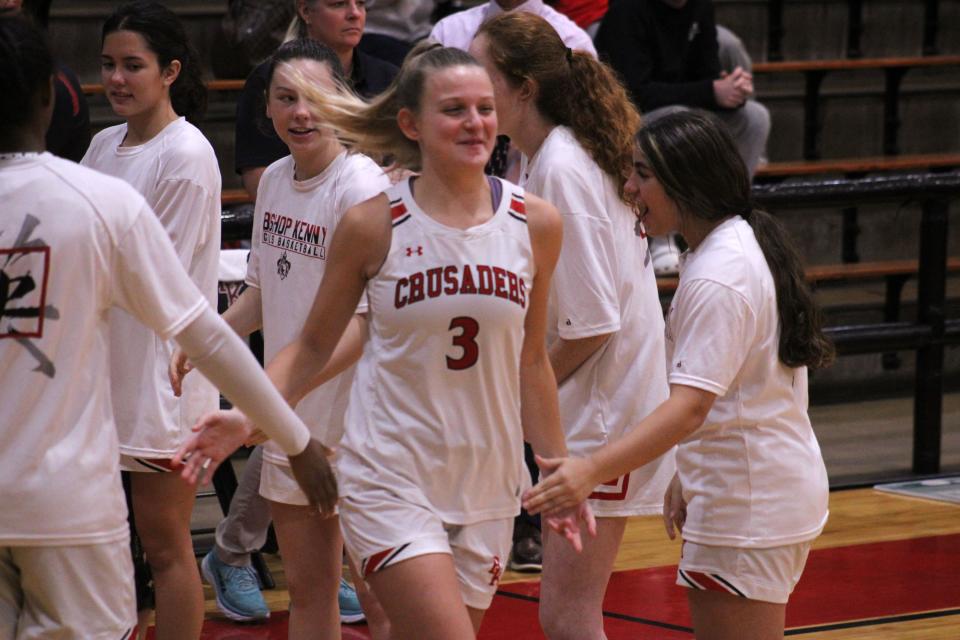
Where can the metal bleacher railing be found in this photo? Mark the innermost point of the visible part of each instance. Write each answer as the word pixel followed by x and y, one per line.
pixel 927 335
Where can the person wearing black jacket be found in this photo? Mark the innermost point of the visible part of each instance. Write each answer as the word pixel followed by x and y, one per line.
pixel 667 53
pixel 340 28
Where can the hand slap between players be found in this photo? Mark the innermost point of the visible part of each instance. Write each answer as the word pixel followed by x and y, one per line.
pixel 567 523
pixel 567 482
pixel 563 508
pixel 216 436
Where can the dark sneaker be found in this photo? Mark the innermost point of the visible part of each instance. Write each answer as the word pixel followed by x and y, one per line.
pixel 526 555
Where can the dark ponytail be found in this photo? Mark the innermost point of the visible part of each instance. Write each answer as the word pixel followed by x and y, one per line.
pixel 802 341
pixel 693 156
pixel 166 37
pixel 575 89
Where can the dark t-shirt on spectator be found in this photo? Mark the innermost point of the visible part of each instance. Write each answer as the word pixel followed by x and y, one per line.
pixel 665 56
pixel 69 132
pixel 257 144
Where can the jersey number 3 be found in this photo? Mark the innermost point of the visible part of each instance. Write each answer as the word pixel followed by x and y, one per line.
pixel 467 340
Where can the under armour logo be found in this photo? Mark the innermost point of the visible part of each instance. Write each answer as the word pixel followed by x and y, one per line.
pixel 495 570
pixel 411 251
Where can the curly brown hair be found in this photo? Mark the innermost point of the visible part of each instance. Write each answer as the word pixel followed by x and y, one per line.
pixel 574 89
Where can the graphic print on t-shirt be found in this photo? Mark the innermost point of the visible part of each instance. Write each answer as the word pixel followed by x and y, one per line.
pixel 283 266
pixel 24 271
pixel 292 234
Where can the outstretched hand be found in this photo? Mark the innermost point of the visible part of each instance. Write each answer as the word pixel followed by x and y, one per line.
pixel 568 522
pixel 567 482
pixel 216 436
pixel 315 476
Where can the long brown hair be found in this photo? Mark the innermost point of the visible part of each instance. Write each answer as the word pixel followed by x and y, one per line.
pixel 372 128
pixel 693 156
pixel 575 90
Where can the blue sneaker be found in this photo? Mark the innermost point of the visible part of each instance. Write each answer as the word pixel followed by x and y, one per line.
pixel 237 589
pixel 350 611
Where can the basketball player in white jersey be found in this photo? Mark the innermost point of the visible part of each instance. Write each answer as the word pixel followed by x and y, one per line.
pixel 300 202
pixel 75 243
pixel 455 373
pixel 575 125
pixel 751 489
pixel 152 80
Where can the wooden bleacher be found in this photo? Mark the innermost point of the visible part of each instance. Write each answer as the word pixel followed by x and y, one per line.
pixel 814 71
pixel 823 273
pixel 859 165
pixel 851 64
pixel 95 89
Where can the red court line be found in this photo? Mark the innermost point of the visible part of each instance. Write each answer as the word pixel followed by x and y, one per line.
pixel 878 579
pixel 839 585
pixel 273 629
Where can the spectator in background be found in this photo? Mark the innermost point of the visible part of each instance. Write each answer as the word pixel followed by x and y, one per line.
pixel 338 24
pixel 457 30
pixel 394 26
pixel 668 55
pixel 586 13
pixel 249 34
pixel 69 132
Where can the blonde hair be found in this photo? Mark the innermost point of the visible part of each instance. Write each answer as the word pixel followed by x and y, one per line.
pixel 298 27
pixel 371 128
pixel 575 90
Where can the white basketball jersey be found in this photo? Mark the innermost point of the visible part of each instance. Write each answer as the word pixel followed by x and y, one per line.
pixel 434 413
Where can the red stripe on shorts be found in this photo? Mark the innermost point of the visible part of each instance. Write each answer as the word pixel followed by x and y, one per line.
pixel 619 495
pixel 374 561
pixel 708 582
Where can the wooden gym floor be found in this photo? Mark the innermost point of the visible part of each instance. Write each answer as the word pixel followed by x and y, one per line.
pixel 886 566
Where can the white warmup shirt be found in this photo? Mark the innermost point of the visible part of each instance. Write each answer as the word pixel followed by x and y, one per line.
pixel 405 20
pixel 458 29
pixel 293 225
pixel 603 283
pixel 434 414
pixel 73 244
pixel 752 475
pixel 177 173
